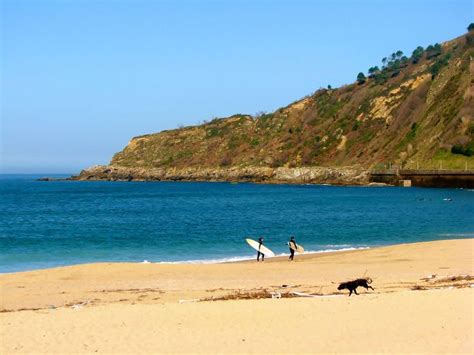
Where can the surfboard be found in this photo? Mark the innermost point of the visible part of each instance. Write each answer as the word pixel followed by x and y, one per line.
pixel 263 249
pixel 298 249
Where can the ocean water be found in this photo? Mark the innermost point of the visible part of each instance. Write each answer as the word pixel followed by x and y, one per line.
pixel 48 224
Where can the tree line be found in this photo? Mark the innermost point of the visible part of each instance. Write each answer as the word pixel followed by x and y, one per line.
pixel 392 64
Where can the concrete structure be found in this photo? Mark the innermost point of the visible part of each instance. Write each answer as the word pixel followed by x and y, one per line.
pixel 405 183
pixel 425 178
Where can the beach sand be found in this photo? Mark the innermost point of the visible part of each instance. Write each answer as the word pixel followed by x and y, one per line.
pixel 133 308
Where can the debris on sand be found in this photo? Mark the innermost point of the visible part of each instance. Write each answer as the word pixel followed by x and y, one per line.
pixel 429 277
pixel 455 278
pixel 190 301
pixel 78 306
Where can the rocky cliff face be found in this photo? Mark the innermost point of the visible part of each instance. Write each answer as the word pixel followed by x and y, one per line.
pixel 412 112
pixel 336 176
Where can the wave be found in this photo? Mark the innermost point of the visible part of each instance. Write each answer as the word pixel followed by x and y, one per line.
pixel 235 259
pixel 334 250
pixel 461 235
pixel 337 246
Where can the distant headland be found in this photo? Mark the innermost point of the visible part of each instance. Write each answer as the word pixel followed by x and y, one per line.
pixel 412 113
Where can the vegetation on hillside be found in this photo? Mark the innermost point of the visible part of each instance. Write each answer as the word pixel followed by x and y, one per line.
pixel 411 111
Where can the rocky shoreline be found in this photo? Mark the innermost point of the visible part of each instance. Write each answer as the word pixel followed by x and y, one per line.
pixel 310 175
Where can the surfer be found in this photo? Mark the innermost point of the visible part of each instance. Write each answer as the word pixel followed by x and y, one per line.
pixel 260 243
pixel 292 245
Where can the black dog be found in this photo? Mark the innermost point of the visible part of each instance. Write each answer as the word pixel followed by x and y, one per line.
pixel 352 285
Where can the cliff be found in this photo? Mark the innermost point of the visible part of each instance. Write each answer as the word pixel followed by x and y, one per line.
pixel 414 111
pixel 315 175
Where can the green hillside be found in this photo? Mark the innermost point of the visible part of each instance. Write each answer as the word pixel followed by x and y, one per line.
pixel 412 110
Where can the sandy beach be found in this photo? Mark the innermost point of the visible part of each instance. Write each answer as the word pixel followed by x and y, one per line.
pixel 423 302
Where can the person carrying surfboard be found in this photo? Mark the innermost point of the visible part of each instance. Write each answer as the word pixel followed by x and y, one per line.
pixel 260 248
pixel 293 246
pixel 260 243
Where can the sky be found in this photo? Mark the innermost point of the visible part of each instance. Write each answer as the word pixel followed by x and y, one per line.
pixel 80 78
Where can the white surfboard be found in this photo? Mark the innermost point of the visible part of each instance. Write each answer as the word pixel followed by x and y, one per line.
pixel 263 249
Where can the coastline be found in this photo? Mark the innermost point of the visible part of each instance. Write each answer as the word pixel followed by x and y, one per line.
pixel 211 261
pixel 88 300
pixel 268 175
pixel 317 175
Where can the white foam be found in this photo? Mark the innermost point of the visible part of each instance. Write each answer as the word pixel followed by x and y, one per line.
pixel 337 246
pixel 334 250
pixel 252 257
pixel 462 235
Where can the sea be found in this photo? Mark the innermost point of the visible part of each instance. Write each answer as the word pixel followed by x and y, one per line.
pixel 59 223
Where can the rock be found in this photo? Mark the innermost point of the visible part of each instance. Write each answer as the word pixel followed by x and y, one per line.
pixel 381 184
pixel 313 175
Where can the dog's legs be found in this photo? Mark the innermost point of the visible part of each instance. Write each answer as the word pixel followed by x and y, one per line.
pixel 355 291
pixel 371 288
pixel 350 292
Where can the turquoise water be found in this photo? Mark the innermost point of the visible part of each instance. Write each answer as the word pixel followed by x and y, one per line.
pixel 46 224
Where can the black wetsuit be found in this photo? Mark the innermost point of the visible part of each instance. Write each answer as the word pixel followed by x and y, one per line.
pixel 260 243
pixel 292 252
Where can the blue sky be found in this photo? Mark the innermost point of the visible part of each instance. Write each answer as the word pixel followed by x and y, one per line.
pixel 80 78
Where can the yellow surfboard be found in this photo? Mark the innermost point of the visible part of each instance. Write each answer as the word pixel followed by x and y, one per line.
pixel 298 249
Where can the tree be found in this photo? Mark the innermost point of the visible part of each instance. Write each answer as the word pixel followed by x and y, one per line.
pixel 439 64
pixel 433 51
pixel 381 77
pixel 373 70
pixel 417 54
pixel 361 78
pixel 384 61
pixel 470 35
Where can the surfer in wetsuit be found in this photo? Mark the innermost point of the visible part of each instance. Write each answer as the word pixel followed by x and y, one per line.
pixel 260 243
pixel 292 245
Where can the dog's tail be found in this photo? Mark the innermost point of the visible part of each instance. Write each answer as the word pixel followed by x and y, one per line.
pixel 369 280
